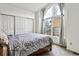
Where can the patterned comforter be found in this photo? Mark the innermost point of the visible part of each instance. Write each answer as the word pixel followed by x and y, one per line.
pixel 25 44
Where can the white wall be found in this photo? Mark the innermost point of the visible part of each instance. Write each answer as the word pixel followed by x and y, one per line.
pixel 13 10
pixel 72 26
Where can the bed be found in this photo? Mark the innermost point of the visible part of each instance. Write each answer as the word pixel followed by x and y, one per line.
pixel 29 44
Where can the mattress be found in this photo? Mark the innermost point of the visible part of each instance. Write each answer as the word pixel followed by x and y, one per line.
pixel 25 44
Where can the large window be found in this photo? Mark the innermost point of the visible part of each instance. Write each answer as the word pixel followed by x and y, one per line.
pixel 47 20
pixel 49 14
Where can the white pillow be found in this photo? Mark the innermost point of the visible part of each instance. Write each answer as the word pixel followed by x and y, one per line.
pixel 4 37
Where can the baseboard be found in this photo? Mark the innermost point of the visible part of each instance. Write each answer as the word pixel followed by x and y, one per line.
pixel 72 51
pixel 60 45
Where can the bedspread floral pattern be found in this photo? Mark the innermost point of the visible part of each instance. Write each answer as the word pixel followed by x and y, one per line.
pixel 25 44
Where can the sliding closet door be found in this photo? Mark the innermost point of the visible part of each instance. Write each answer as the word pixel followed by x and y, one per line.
pixel 7 24
pixel 23 25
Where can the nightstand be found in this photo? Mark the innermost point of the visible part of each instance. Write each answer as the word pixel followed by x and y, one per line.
pixel 3 49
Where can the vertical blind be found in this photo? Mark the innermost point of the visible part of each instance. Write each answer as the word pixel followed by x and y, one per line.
pixel 7 24
pixel 21 25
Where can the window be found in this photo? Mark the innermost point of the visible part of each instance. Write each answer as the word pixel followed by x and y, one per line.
pixel 57 10
pixel 48 15
pixel 48 20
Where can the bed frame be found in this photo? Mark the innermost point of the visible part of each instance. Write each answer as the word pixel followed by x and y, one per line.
pixel 37 53
pixel 42 51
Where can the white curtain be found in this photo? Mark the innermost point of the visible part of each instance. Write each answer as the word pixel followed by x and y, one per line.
pixel 61 5
pixel 38 21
